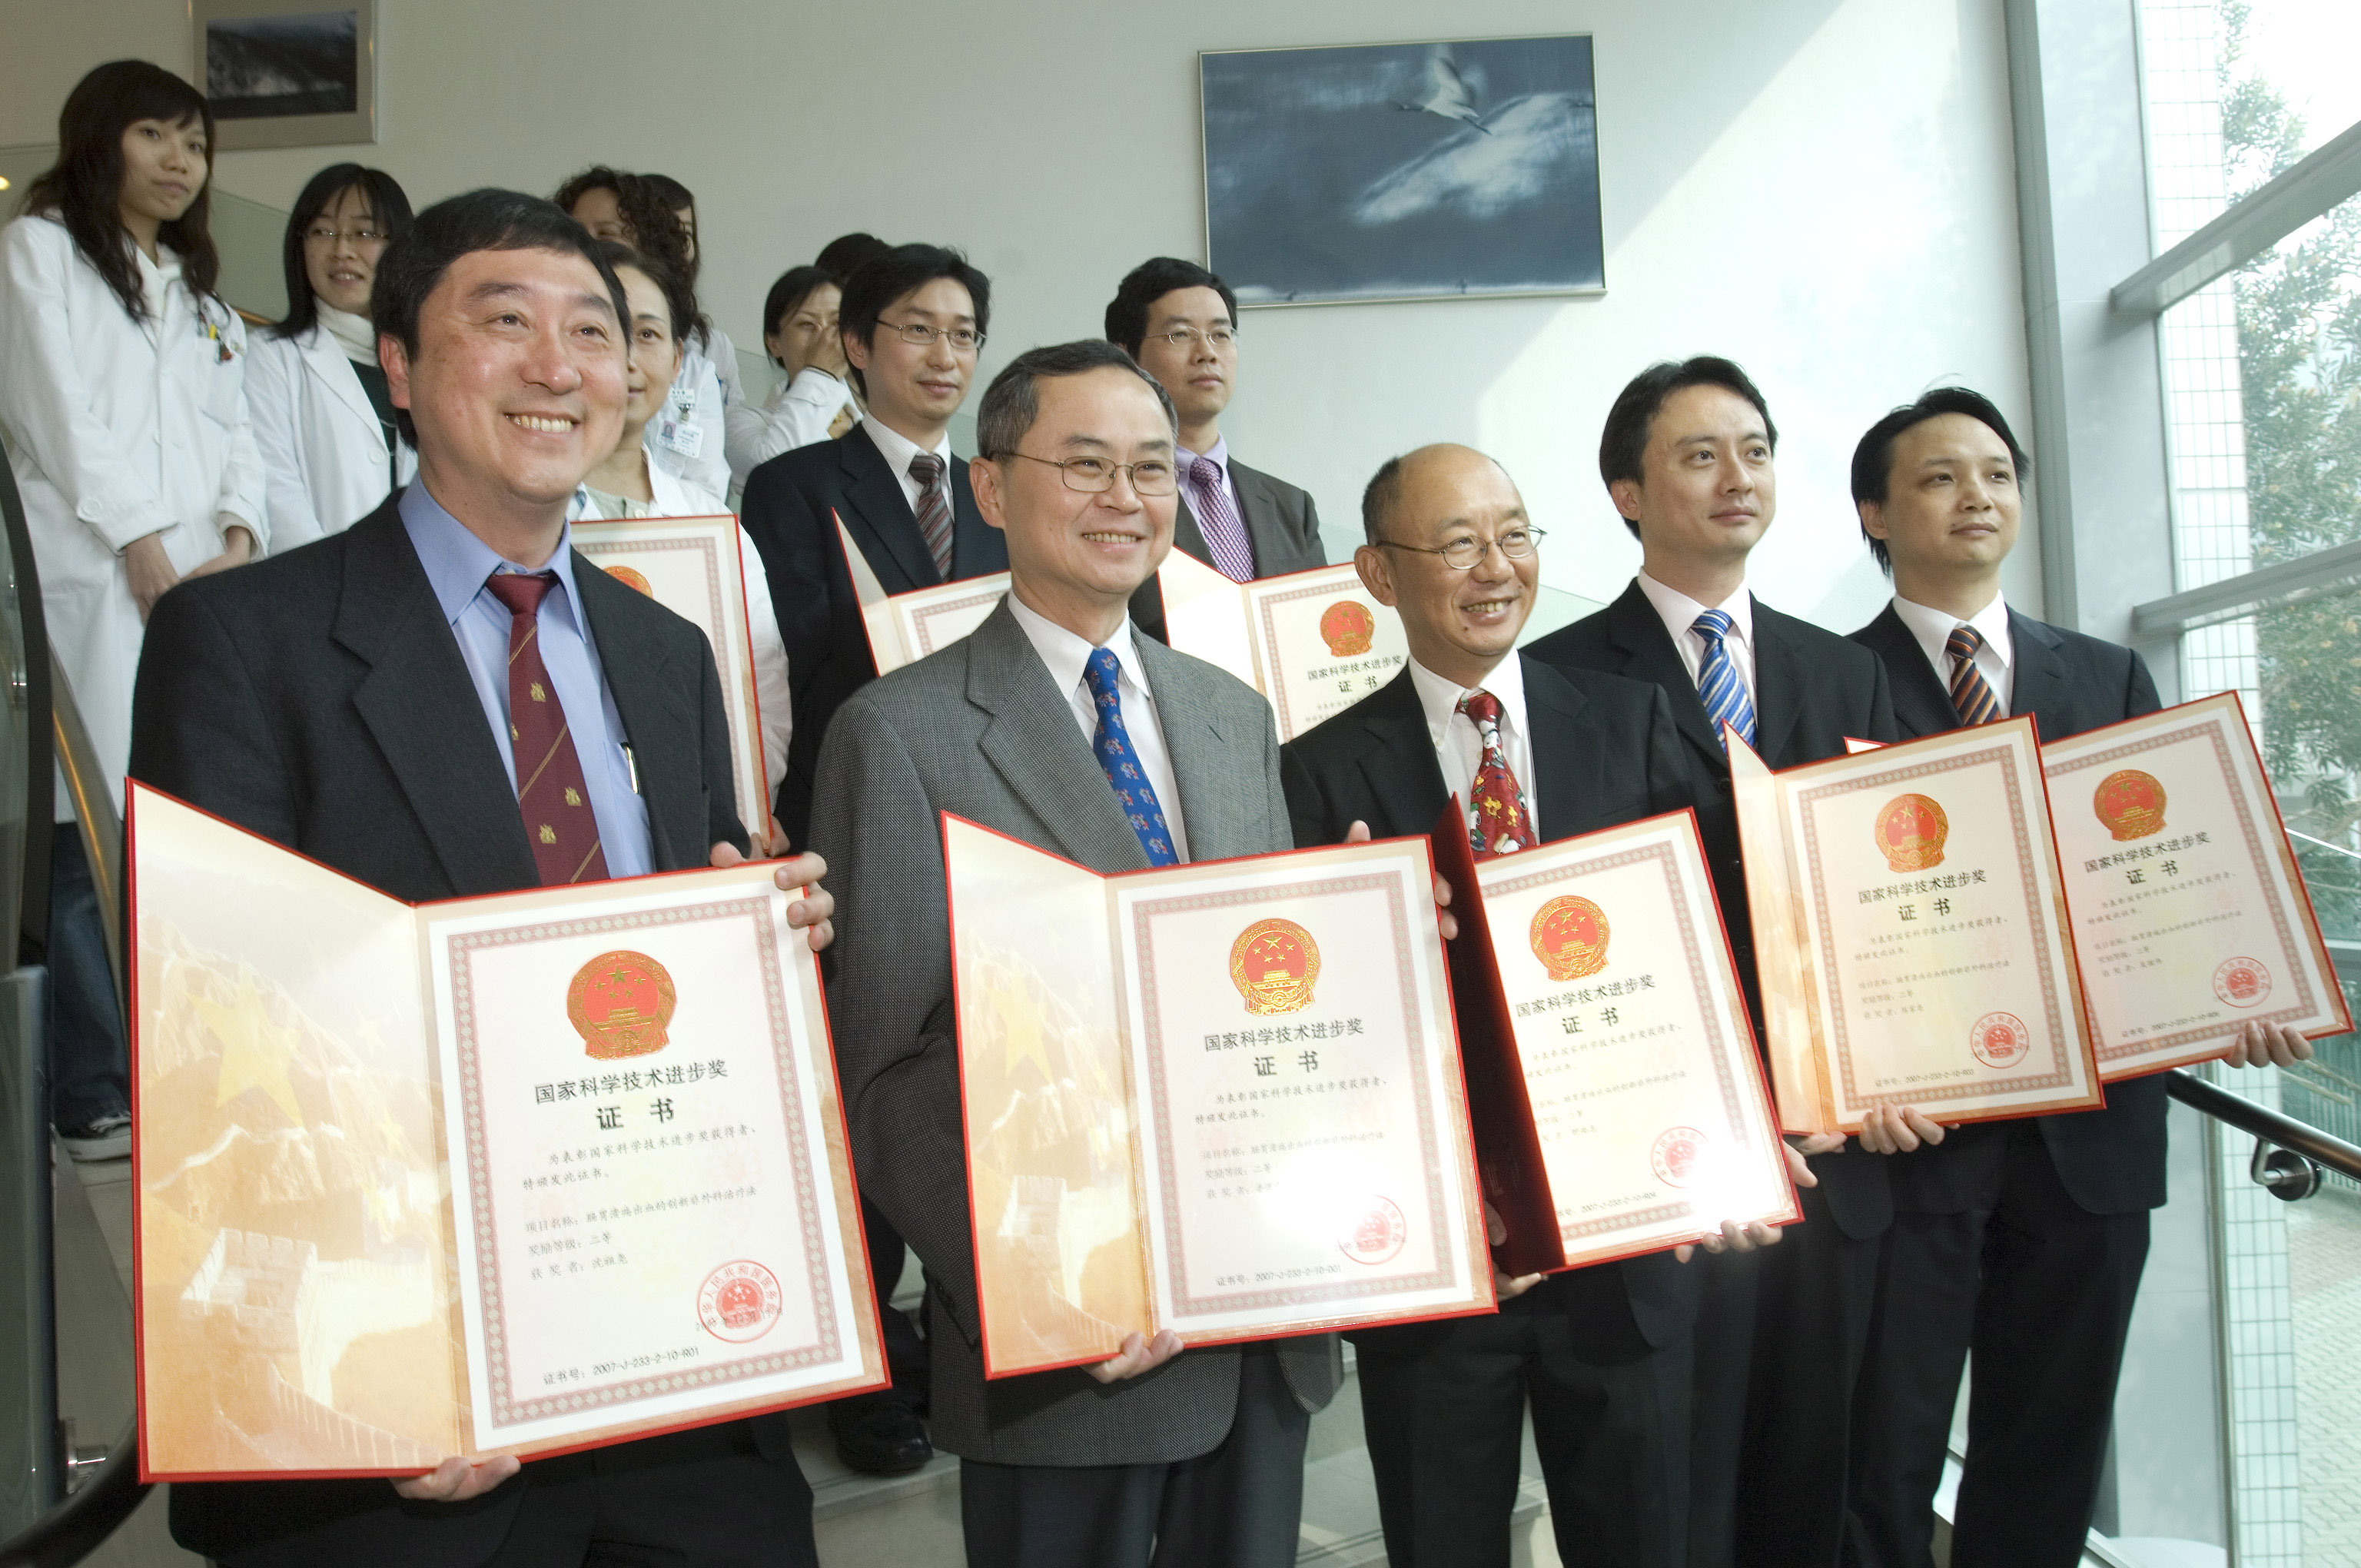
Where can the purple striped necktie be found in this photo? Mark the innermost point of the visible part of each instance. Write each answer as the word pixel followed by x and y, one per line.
pixel 1217 519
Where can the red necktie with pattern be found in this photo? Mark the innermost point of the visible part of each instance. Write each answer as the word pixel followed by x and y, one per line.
pixel 1971 693
pixel 1498 823
pixel 551 796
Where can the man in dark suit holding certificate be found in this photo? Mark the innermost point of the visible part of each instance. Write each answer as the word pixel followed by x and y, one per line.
pixel 2023 1239
pixel 1534 753
pixel 442 702
pixel 1687 455
pixel 1054 724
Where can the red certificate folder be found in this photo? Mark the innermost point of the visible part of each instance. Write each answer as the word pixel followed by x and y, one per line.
pixel 1221 1098
pixel 517 1174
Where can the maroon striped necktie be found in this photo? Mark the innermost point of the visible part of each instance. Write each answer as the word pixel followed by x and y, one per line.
pixel 1971 695
pixel 934 511
pixel 550 794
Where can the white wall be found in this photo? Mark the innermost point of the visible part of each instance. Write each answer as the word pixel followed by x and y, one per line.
pixel 1821 189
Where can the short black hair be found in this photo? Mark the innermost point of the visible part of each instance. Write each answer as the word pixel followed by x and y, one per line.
pixel 388 203
pixel 904 269
pixel 598 177
pixel 849 253
pixel 460 225
pixel 1379 498
pixel 1126 313
pixel 1872 460
pixel 1012 402
pixel 1623 443
pixel 788 292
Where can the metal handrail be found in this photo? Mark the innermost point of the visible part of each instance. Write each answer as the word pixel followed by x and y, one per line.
pixel 2272 1128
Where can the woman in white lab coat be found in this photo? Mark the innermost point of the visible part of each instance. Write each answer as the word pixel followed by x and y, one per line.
pixel 123 411
pixel 630 484
pixel 322 415
pixel 813 401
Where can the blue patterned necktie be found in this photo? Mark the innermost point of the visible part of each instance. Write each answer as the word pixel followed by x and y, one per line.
pixel 1726 701
pixel 1113 743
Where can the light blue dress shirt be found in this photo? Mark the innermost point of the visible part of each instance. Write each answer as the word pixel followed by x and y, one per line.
pixel 457 565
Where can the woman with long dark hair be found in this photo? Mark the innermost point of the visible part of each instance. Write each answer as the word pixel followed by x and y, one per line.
pixel 323 416
pixel 123 410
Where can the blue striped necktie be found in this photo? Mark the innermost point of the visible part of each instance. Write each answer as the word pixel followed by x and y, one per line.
pixel 1113 743
pixel 1726 701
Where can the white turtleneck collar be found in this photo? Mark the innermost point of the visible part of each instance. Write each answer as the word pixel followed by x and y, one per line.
pixel 353 333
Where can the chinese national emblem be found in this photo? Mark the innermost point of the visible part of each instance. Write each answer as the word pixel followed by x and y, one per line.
pixel 1273 964
pixel 1910 833
pixel 619 1004
pixel 2131 804
pixel 1569 937
pixel 631 579
pixel 1347 626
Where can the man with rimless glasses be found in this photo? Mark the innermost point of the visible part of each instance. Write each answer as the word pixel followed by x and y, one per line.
pixel 912 321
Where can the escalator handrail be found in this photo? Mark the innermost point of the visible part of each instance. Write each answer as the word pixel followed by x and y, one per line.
pixel 73 1529
pixel 39 800
pixel 2265 1123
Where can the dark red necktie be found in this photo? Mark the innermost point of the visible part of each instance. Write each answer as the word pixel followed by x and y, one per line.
pixel 551 796
pixel 1498 823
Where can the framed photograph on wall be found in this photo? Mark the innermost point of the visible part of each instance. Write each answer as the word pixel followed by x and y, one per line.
pixel 1403 172
pixel 289 72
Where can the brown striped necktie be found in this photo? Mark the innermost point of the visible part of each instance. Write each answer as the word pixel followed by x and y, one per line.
pixel 934 510
pixel 1971 695
pixel 551 793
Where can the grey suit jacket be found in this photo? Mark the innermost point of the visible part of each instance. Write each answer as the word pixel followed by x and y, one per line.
pixel 981 729
pixel 1282 524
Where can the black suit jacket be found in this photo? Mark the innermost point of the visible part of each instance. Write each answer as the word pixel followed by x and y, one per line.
pixel 1282 527
pixel 2110 1160
pixel 786 511
pixel 1812 688
pixel 1605 752
pixel 319 698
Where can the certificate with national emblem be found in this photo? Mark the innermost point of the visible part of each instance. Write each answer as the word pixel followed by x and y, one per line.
pixel 1313 642
pixel 691 566
pixel 905 628
pixel 2189 913
pixel 1222 1099
pixel 1911 932
pixel 514 1174
pixel 1618 1100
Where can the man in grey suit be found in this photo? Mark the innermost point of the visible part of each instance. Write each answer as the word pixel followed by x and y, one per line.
pixel 1153 1456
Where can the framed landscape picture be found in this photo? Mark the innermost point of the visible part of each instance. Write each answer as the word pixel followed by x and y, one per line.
pixel 1402 171
pixel 289 72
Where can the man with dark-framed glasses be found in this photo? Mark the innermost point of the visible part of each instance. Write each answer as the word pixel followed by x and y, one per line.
pixel 1180 323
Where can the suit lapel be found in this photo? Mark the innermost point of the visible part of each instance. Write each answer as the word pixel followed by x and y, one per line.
pixel 1921 703
pixel 1187 535
pixel 2039 684
pixel 421 705
pixel 878 515
pixel 1399 765
pixel 1204 757
pixel 1638 632
pixel 652 697
pixel 1038 750
pixel 977 547
pixel 1562 765
pixel 1258 511
pixel 324 358
pixel 1779 683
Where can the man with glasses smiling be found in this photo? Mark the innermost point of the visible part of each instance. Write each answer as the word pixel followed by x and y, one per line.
pixel 912 321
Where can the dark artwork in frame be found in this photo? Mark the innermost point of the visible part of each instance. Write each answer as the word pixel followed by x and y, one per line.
pixel 1403 172
pixel 270 67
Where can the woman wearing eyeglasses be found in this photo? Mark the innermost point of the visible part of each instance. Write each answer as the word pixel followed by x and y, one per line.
pixel 322 415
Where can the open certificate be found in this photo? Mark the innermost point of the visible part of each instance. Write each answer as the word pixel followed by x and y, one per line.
pixel 1313 642
pixel 1910 933
pixel 1221 1099
pixel 1618 1098
pixel 905 628
pixel 504 1174
pixel 691 566
pixel 2189 914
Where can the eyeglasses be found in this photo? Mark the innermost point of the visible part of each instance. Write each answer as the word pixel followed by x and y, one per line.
pixel 320 234
pixel 963 339
pixel 1187 336
pixel 1094 475
pixel 1467 552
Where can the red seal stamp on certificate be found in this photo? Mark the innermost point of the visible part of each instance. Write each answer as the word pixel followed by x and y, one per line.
pixel 1273 964
pixel 1376 1234
pixel 632 579
pixel 1569 937
pixel 1347 626
pixel 1677 1154
pixel 2000 1039
pixel 2242 982
pixel 1910 833
pixel 739 1302
pixel 619 1003
pixel 2130 803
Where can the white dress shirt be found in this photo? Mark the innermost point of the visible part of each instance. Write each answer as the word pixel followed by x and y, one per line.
pixel 1459 747
pixel 1996 660
pixel 898 450
pixel 1066 655
pixel 1679 613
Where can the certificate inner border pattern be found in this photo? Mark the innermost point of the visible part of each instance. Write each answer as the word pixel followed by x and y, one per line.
pixel 921 618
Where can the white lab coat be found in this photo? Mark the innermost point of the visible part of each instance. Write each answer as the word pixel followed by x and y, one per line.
pixel 675 498
pixel 323 453
pixel 116 428
pixel 796 413
pixel 707 383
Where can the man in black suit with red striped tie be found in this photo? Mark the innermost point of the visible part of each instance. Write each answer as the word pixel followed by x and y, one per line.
pixel 2023 1239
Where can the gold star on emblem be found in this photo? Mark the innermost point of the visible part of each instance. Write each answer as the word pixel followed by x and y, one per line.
pixel 255 1052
